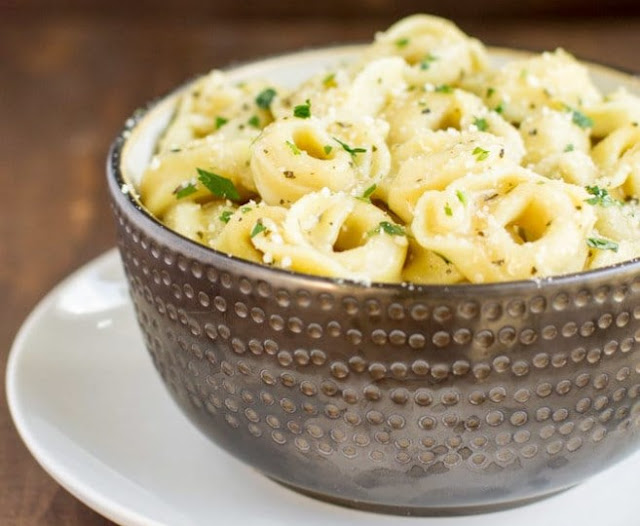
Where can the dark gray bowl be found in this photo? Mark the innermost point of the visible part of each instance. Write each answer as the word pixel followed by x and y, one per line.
pixel 420 400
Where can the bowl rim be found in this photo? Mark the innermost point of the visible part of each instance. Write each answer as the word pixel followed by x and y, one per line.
pixel 128 201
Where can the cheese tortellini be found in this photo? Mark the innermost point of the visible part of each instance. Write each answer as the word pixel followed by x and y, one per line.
pixel 417 161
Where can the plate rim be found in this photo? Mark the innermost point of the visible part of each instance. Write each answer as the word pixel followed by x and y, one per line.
pixel 99 502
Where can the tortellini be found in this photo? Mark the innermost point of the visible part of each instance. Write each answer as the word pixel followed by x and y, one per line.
pixel 505 226
pixel 416 161
pixel 336 235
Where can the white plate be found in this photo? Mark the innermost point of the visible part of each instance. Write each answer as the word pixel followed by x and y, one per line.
pixel 88 404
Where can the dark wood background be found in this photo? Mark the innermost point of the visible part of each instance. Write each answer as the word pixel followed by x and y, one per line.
pixel 72 73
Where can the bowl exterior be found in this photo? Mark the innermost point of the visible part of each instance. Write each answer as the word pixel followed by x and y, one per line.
pixel 436 398
pixel 416 400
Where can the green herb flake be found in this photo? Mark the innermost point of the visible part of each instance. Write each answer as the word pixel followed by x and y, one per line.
pixel 600 197
pixel 352 151
pixel 580 119
pixel 569 148
pixel 329 81
pixel 218 185
pixel 265 98
pixel 184 191
pixel 245 209
pixel 402 42
pixel 327 149
pixel 366 196
pixel 480 153
pixel 254 121
pixel 303 111
pixel 426 62
pixel 220 122
pixel 225 216
pixel 444 88
pixel 499 108
pixel 369 191
pixel 258 228
pixel 293 148
pixel 447 210
pixel 602 244
pixel 461 197
pixel 388 228
pixel 490 92
pixel 481 124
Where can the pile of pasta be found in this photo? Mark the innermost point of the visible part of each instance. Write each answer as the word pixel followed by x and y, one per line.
pixel 417 162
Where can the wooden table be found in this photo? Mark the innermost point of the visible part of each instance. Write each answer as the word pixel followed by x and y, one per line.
pixel 66 86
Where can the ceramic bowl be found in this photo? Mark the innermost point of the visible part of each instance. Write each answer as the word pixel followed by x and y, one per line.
pixel 412 400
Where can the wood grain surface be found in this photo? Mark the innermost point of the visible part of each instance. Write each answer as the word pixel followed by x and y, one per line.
pixel 67 83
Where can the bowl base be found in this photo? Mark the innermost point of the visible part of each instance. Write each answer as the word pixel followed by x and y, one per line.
pixel 410 511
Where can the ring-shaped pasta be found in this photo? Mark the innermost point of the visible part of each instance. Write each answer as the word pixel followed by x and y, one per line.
pixel 553 79
pixel 338 96
pixel 170 171
pixel 426 267
pixel 201 223
pixel 294 157
pixel 435 48
pixel 236 238
pixel 617 110
pixel 453 155
pixel 213 104
pixel 573 167
pixel 547 132
pixel 618 157
pixel 414 112
pixel 339 236
pixel 514 225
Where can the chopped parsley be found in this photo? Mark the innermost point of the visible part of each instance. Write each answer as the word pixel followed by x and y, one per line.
pixel 245 209
pixel 499 108
pixel 480 153
pixel 447 210
pixel 257 228
pixel 220 122
pixel 580 119
pixel 461 197
pixel 218 185
pixel 254 121
pixel 602 244
pixel 600 197
pixel 352 151
pixel 327 149
pixel 293 148
pixel 444 88
pixel 426 62
pixel 184 191
pixel 329 81
pixel 481 123
pixel 369 191
pixel 366 196
pixel 490 92
pixel 569 148
pixel 265 98
pixel 303 111
pixel 388 228
pixel 225 216
pixel 402 42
